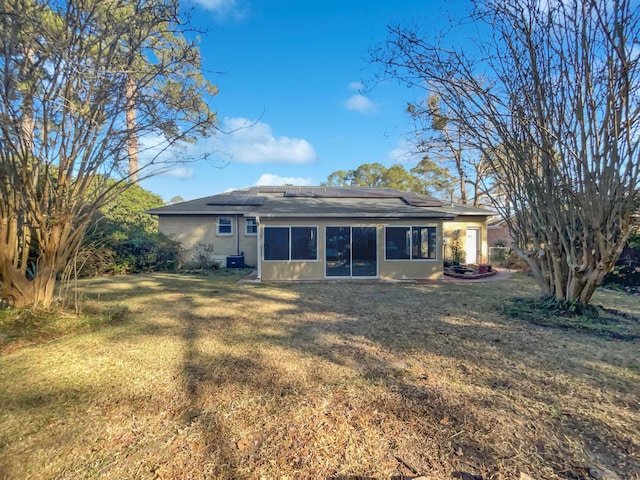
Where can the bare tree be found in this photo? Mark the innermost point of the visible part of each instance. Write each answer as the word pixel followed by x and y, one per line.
pixel 438 136
pixel 549 96
pixel 69 70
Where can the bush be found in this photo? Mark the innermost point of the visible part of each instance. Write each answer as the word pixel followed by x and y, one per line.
pixel 203 259
pixel 499 254
pixel 123 252
pixel 456 254
pixel 125 240
pixel 626 272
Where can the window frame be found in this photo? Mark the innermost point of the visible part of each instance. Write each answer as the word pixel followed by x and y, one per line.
pixel 219 225
pixel 265 234
pixel 415 232
pixel 290 243
pixel 309 227
pixel 253 223
pixel 410 246
pixel 405 242
pixel 356 232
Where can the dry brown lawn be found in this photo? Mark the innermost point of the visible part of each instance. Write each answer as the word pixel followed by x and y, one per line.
pixel 206 378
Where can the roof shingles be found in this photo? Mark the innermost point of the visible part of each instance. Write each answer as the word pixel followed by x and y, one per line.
pixel 327 202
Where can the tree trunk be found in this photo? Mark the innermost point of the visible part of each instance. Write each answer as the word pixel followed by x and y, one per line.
pixel 16 289
pixel 558 276
pixel 19 290
pixel 26 282
pixel 132 140
pixel 461 180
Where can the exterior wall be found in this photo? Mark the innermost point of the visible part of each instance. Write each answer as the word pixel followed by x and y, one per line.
pixel 410 269
pixel 197 231
pixel 457 229
pixel 293 269
pixel 499 233
pixel 315 270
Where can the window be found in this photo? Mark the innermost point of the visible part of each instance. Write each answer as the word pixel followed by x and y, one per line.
pixel 423 243
pixel 410 243
pixel 303 243
pixel 398 243
pixel 224 227
pixel 290 243
pixel 250 226
pixel 276 243
pixel 351 251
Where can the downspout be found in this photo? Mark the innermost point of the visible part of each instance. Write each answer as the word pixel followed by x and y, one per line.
pixel 259 277
pixel 237 235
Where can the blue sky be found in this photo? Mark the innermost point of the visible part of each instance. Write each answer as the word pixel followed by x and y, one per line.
pixel 291 75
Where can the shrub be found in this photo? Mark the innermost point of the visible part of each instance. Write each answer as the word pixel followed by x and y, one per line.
pixel 122 252
pixel 626 272
pixel 456 252
pixel 203 259
pixel 125 240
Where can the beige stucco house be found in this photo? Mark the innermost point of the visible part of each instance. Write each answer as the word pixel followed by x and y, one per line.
pixel 314 233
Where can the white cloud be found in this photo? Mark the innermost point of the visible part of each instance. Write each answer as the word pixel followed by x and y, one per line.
pixel 404 153
pixel 360 103
pixel 398 155
pixel 158 157
pixel 157 154
pixel 254 142
pixel 180 172
pixel 356 86
pixel 275 180
pixel 154 148
pixel 223 8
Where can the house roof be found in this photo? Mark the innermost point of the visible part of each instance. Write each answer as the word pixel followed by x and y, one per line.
pixel 325 202
pixel 496 222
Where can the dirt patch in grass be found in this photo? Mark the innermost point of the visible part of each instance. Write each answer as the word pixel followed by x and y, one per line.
pixel 205 378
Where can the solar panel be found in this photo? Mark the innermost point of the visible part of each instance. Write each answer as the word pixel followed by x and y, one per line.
pixel 341 192
pixel 417 200
pixel 236 200
pixel 252 195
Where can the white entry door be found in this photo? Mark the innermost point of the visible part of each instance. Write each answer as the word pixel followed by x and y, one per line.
pixel 472 245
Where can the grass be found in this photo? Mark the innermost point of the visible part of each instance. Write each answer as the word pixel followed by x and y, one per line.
pixel 202 377
pixel 29 326
pixel 594 320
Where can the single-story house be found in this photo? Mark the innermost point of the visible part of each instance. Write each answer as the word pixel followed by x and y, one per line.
pixel 498 232
pixel 313 233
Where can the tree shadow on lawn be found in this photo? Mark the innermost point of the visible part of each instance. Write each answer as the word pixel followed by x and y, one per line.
pixel 531 375
pixel 56 396
pixel 214 384
pixel 62 420
pixel 451 380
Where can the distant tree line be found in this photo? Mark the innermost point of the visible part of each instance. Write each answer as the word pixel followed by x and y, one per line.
pixel 427 177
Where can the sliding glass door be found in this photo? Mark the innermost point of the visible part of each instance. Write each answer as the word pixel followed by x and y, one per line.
pixel 351 252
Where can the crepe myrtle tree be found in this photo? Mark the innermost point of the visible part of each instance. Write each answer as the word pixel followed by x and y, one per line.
pixel 548 93
pixel 70 71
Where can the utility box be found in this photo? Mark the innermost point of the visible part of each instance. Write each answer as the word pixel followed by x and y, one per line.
pixel 235 261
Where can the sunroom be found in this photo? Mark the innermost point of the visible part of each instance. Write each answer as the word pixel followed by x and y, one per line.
pixel 332 233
